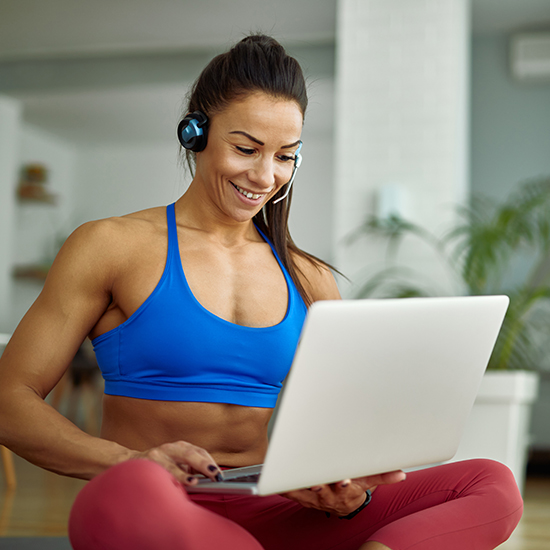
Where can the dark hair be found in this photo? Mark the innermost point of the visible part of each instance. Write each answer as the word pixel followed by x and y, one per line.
pixel 258 63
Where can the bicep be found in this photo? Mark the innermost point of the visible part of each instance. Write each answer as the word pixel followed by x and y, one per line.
pixel 73 298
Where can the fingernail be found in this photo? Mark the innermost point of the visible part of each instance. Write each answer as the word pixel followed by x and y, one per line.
pixel 191 479
pixel 344 484
pixel 219 477
pixel 213 468
pixel 316 489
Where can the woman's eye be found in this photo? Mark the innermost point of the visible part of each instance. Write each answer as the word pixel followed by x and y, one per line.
pixel 245 150
pixel 286 158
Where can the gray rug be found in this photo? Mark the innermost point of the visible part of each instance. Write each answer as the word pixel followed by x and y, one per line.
pixel 34 543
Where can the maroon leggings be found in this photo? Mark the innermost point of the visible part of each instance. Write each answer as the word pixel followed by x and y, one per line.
pixel 138 505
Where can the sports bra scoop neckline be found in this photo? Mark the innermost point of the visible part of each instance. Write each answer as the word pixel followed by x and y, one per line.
pixel 179 262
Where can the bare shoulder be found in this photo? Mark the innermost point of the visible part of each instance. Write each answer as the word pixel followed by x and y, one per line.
pixel 117 235
pixel 317 278
pixel 96 250
pixel 136 225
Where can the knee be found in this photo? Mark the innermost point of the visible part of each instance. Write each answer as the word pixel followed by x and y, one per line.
pixel 139 478
pixel 499 476
pixel 114 502
pixel 496 481
pixel 138 505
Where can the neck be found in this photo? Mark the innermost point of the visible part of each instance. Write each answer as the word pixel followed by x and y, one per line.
pixel 197 212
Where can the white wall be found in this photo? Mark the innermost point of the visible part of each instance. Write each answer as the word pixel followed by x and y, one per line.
pixel 312 213
pixel 510 121
pixel 115 178
pixel 402 104
pixel 10 122
pixel 36 226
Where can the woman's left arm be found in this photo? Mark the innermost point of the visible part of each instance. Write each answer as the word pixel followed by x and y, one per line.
pixel 317 279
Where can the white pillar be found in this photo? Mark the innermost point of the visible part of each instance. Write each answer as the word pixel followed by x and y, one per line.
pixel 10 122
pixel 402 109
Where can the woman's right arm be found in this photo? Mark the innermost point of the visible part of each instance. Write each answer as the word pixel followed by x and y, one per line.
pixel 76 293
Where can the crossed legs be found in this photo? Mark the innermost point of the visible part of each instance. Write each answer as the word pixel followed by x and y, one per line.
pixel 139 505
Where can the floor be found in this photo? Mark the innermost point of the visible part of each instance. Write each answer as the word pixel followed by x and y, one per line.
pixel 40 505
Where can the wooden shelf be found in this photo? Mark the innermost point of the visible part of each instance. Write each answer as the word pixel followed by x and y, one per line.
pixel 31 272
pixel 42 199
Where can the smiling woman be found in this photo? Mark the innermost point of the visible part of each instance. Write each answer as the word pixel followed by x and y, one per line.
pixel 254 141
pixel 195 311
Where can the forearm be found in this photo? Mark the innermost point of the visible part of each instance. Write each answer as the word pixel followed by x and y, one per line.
pixel 37 432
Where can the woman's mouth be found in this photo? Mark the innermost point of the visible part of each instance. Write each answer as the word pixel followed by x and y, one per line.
pixel 246 193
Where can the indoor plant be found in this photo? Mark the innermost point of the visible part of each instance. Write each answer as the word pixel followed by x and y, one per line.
pixel 501 248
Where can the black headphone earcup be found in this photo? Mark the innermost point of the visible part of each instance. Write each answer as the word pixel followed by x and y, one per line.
pixel 193 131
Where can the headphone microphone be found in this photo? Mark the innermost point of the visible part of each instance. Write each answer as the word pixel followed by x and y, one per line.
pixel 193 131
pixel 297 163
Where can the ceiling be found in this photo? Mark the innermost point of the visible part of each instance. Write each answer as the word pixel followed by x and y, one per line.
pixel 38 30
pixel 60 28
pixel 80 27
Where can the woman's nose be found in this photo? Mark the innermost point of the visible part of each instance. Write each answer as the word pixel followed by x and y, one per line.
pixel 263 174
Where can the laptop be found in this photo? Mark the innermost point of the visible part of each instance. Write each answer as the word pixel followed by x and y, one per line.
pixel 375 386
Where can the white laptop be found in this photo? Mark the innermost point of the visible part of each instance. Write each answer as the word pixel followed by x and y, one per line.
pixel 375 386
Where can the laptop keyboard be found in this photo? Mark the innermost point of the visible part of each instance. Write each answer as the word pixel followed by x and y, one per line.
pixel 253 478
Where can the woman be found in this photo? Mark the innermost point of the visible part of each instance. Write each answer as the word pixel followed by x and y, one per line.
pixel 195 311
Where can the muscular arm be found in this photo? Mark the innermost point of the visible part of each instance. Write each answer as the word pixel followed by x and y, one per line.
pixel 76 294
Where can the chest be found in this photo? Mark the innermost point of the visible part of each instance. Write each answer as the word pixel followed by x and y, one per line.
pixel 243 285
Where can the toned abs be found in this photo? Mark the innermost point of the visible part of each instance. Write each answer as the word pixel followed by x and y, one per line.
pixel 233 435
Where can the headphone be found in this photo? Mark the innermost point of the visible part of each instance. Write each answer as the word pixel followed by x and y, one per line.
pixel 297 162
pixel 193 135
pixel 193 131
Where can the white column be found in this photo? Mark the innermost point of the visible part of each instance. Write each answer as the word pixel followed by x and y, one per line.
pixel 10 121
pixel 402 109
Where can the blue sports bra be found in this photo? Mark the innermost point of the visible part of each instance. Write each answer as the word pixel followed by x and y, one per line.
pixel 174 349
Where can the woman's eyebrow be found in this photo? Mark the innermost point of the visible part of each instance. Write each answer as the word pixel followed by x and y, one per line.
pixel 256 140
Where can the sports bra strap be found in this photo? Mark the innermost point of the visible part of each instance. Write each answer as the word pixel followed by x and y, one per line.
pixel 173 255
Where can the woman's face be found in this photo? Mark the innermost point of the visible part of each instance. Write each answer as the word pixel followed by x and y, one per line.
pixel 250 153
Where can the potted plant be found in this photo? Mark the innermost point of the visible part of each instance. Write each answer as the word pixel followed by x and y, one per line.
pixel 499 248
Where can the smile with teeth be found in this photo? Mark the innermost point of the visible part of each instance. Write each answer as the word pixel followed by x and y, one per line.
pixel 247 194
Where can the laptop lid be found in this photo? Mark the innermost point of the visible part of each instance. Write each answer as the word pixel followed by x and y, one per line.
pixel 379 385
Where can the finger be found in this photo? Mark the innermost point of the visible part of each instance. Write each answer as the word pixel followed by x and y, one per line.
pixel 348 490
pixel 320 490
pixel 342 484
pixel 391 477
pixel 187 457
pixel 382 479
pixel 160 457
pixel 199 460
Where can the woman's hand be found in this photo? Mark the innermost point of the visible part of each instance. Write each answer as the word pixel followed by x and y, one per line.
pixel 182 460
pixel 343 497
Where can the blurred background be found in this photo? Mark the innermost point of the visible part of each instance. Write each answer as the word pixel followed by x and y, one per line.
pixel 416 106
